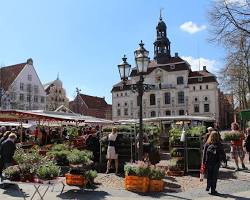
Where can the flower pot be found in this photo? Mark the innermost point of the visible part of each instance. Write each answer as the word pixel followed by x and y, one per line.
pixel 75 180
pixel 136 183
pixel 175 173
pixel 156 185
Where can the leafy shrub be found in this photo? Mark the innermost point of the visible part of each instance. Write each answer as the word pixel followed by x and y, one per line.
pixel 48 171
pixel 137 169
pixel 60 147
pixel 90 176
pixel 12 173
pixel 196 131
pixel 72 132
pixel 156 173
pixel 78 157
pixel 233 135
pixel 22 157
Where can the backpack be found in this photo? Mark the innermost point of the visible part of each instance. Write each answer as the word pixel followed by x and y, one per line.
pixel 212 155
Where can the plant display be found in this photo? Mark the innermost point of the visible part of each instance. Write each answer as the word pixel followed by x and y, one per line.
pixel 72 132
pixel 12 173
pixel 90 176
pixel 175 135
pixel 60 152
pixel 31 157
pixel 48 171
pixel 156 173
pixel 232 135
pixel 196 131
pixel 27 171
pixel 77 157
pixel 137 169
pixel 175 152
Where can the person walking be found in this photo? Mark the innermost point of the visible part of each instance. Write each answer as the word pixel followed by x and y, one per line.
pixel 237 150
pixel 213 154
pixel 247 142
pixel 111 152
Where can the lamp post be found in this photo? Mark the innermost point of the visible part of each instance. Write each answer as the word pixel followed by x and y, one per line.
pixel 142 61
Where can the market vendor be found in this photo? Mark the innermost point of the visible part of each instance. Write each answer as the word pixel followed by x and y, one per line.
pixel 111 151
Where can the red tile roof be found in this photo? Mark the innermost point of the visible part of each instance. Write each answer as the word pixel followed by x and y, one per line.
pixel 94 102
pixel 9 73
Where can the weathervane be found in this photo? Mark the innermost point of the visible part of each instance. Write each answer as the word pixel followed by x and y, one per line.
pixel 161 9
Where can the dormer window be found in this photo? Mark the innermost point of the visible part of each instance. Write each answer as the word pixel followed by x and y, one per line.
pixel 199 79
pixel 29 77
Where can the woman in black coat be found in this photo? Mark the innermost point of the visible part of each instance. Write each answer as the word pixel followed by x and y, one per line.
pixel 213 154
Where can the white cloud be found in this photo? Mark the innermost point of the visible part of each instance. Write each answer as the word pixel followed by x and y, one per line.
pixel 191 27
pixel 211 65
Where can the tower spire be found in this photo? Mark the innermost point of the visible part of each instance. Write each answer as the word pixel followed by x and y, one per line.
pixel 161 14
pixel 57 76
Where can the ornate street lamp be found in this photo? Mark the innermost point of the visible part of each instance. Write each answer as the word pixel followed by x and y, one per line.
pixel 142 61
pixel 124 69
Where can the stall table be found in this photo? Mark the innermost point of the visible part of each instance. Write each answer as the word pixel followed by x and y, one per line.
pixel 38 186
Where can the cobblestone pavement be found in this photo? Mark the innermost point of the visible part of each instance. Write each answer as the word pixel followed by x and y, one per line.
pixel 231 186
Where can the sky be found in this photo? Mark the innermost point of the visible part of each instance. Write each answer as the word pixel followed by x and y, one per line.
pixel 84 40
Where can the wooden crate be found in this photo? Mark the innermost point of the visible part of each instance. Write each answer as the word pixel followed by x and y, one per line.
pixel 156 185
pixel 75 180
pixel 136 183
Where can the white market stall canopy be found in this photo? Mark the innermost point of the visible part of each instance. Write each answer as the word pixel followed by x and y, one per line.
pixel 25 125
pixel 41 115
pixel 170 118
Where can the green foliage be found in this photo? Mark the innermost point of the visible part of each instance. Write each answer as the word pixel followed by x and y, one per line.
pixel 90 175
pixel 72 132
pixel 78 157
pixel 120 128
pixel 174 134
pixel 232 135
pixel 130 169
pixel 137 169
pixel 156 173
pixel 31 157
pixel 60 147
pixel 196 131
pixel 175 152
pixel 12 173
pixel 48 171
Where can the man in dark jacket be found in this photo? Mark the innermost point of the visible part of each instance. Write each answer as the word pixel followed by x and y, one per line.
pixel 8 149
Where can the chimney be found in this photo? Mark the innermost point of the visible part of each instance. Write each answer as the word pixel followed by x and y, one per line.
pixel 204 68
pixel 30 61
pixel 176 54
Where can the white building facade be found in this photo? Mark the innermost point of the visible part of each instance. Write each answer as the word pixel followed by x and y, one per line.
pixel 22 88
pixel 178 90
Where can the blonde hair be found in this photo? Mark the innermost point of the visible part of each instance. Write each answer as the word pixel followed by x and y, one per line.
pixel 12 136
pixel 214 137
pixel 6 134
pixel 114 130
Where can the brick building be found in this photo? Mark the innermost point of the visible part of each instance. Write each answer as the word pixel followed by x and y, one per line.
pixel 91 106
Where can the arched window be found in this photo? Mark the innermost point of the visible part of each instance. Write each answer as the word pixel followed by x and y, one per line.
pixel 180 97
pixel 152 114
pixel 152 99
pixel 118 112
pixel 179 80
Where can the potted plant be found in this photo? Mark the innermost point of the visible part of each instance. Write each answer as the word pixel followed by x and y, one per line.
pixel 47 172
pixel 156 183
pixel 137 176
pixel 12 173
pixel 90 175
pixel 79 158
pixel 27 172
pixel 232 136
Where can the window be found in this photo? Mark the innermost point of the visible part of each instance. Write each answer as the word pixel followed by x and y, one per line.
pixel 196 108
pixel 125 104
pixel 21 97
pixel 200 87
pixel 36 99
pixel 180 97
pixel 193 88
pixel 179 80
pixel 206 107
pixel 125 111
pixel 207 87
pixel 22 86
pixel 199 79
pixel 195 99
pixel 118 112
pixel 42 99
pixel 29 77
pixel 205 98
pixel 152 114
pixel 28 87
pixel 28 98
pixel 117 95
pixel 152 99
pixel 168 112
pixel 126 94
pixel 121 94
pixel 167 98
pixel 172 66
pixel 181 112
pixel 13 96
pixel 36 89
pixel 138 101
pixel 118 105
